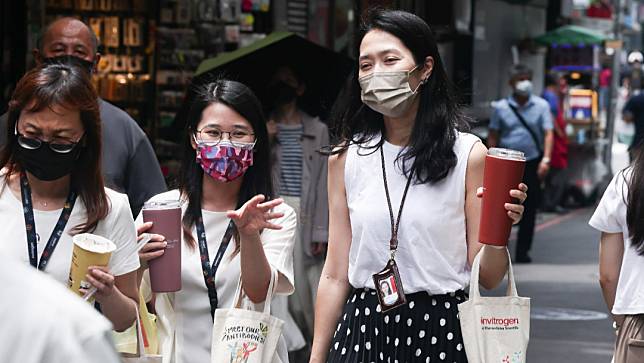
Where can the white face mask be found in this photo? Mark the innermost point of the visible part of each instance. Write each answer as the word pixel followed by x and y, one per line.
pixel 523 88
pixel 388 93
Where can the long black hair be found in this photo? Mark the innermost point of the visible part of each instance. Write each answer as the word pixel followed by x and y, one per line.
pixel 635 202
pixel 438 118
pixel 257 179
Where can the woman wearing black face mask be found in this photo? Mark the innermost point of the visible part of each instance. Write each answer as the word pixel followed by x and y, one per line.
pixel 51 187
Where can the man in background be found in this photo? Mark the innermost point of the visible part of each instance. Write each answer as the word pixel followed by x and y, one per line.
pixel 128 161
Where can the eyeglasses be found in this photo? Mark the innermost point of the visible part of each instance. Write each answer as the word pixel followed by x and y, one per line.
pixel 31 143
pixel 213 136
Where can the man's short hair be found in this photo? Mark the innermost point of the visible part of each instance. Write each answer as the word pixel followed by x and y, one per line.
pixel 41 37
pixel 520 70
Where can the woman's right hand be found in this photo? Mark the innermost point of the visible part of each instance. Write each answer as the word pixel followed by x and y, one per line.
pixel 154 248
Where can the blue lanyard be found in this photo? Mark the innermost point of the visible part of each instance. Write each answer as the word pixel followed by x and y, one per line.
pixel 30 225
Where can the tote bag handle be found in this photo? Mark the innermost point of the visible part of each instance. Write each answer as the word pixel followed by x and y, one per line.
pixel 241 296
pixel 475 293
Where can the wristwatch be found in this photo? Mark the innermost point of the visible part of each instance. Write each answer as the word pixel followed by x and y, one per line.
pixel 545 160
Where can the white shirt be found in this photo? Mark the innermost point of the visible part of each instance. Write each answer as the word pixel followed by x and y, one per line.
pixel 190 307
pixel 432 248
pixel 43 322
pixel 610 217
pixel 117 226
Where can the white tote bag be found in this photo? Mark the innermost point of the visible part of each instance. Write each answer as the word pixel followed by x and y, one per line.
pixel 241 335
pixel 141 356
pixel 495 329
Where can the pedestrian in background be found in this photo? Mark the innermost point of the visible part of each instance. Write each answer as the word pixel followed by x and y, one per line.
pixel 402 175
pixel 300 172
pixel 129 164
pixel 555 183
pixel 523 122
pixel 633 112
pixel 619 217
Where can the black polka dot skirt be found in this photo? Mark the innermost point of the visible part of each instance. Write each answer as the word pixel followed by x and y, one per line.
pixel 426 329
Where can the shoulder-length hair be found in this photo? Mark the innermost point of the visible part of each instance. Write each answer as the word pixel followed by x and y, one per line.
pixel 257 179
pixel 438 118
pixel 69 87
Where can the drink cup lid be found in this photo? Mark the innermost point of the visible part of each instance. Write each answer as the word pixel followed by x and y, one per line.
pixel 506 154
pixel 94 243
pixel 162 204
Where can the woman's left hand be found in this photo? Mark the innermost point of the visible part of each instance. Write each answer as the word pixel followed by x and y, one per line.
pixel 101 278
pixel 254 216
pixel 515 210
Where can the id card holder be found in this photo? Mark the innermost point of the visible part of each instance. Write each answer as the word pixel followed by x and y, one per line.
pixel 389 287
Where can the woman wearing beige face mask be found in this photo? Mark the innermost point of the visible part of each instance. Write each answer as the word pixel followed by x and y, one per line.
pixel 404 208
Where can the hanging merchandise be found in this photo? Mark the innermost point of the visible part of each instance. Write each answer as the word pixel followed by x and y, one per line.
pixel 229 10
pixel 265 6
pixel 247 22
pixel 247 6
pixel 104 5
pixel 111 31
pixel 86 5
pixel 256 4
pixel 97 26
pixel 132 36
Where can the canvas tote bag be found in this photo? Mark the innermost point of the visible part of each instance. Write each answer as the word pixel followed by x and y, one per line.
pixel 495 329
pixel 241 335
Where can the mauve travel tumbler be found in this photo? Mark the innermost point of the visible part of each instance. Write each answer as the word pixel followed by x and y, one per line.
pixel 165 271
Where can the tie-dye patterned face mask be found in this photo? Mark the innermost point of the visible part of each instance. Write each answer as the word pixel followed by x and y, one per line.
pixel 224 161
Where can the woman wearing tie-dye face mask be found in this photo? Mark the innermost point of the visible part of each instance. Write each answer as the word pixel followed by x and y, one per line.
pixel 226 192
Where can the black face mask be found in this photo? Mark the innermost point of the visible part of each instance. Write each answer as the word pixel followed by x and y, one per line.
pixel 281 93
pixel 46 164
pixel 71 61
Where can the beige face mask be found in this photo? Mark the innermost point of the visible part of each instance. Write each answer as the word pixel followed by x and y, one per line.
pixel 388 93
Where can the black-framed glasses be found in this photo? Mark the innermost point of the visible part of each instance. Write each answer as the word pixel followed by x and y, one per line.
pixel 213 136
pixel 32 143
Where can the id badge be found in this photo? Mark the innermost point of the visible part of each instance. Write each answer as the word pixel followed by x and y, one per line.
pixel 389 287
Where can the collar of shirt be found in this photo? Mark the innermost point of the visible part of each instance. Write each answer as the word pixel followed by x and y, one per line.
pixel 514 103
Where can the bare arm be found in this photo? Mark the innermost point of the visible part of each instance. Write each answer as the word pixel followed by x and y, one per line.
pixel 494 262
pixel 334 284
pixel 118 296
pixel 611 251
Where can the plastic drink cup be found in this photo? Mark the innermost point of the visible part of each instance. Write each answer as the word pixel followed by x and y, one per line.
pixel 503 172
pixel 165 271
pixel 89 250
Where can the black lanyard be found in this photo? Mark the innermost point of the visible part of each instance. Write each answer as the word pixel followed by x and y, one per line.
pixel 395 224
pixel 208 271
pixel 30 225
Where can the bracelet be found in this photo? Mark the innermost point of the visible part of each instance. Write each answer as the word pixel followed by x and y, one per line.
pixel 497 247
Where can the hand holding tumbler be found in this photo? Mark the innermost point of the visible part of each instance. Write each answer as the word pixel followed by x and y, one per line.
pixel 503 172
pixel 165 271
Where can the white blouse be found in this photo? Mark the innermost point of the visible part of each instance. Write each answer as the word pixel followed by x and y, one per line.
pixel 117 226
pixel 432 248
pixel 185 323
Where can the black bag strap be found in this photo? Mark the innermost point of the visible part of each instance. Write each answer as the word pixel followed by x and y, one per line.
pixel 525 124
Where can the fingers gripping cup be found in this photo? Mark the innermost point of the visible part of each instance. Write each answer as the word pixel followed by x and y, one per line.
pixel 165 271
pixel 503 172
pixel 89 250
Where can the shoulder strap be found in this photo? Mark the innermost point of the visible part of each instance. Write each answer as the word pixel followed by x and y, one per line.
pixel 525 124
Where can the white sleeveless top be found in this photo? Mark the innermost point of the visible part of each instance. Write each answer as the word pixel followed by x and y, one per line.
pixel 432 247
